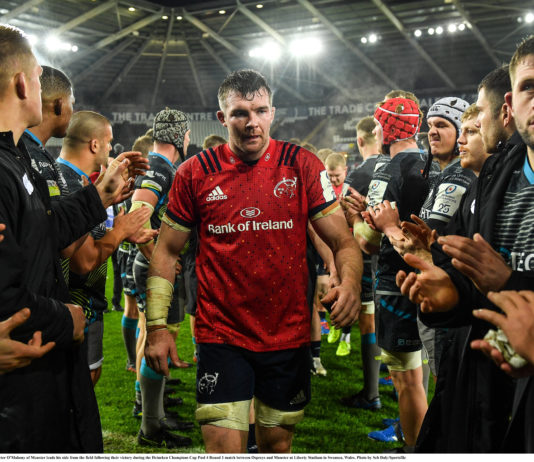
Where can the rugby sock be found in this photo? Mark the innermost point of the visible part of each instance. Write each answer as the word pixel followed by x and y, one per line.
pixel 345 335
pixel 129 328
pixel 426 370
pixel 371 366
pixel 152 387
pixel 138 398
pixel 251 442
pixel 316 349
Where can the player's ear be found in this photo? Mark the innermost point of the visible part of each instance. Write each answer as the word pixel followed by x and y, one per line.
pixel 93 145
pixel 20 85
pixel 220 116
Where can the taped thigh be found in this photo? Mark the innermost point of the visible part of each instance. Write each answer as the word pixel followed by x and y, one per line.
pixel 228 415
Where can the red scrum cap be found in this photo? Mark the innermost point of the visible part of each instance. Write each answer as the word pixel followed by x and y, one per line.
pixel 399 119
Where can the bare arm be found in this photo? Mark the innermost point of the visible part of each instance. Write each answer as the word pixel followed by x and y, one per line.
pixel 324 251
pixel 333 230
pixel 92 253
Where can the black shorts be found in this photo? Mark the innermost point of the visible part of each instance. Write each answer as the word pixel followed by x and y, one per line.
pixel 396 324
pixel 280 379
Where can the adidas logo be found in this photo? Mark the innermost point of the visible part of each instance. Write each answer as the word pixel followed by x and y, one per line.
pixel 216 195
pixel 299 398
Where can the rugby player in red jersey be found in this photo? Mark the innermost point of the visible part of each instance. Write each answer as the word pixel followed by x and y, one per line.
pixel 250 200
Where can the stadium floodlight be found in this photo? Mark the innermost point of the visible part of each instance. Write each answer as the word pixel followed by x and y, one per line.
pixel 461 27
pixel 222 11
pixel 259 5
pixel 164 17
pixel 364 39
pixel 373 38
pixel 305 47
pixel 52 43
pixel 439 30
pixel 270 52
pixel 417 33
pixel 74 48
pixel 529 17
pixel 451 28
pixel 131 8
pixel 179 18
pixel 431 31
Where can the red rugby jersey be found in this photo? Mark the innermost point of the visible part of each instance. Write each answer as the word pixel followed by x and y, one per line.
pixel 251 260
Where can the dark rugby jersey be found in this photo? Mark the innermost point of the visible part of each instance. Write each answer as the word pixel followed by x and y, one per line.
pixel 360 177
pixel 158 179
pixel 401 181
pixel 445 195
pixel 514 224
pixel 251 261
pixel 88 290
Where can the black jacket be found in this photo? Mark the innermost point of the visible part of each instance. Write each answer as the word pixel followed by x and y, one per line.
pixel 48 406
pixel 473 400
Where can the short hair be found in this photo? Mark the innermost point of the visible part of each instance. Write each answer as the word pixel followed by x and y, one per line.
pixel 495 85
pixel 525 48
pixel 470 112
pixel 295 141
pixel 365 128
pixel 150 132
pixel 54 83
pixel 85 126
pixel 335 160
pixel 143 144
pixel 15 54
pixel 323 153
pixel 309 147
pixel 213 140
pixel 246 82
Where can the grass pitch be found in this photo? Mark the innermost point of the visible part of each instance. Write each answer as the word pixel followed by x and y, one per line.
pixel 328 427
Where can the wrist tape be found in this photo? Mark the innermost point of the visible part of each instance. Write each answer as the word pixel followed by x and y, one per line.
pixel 158 300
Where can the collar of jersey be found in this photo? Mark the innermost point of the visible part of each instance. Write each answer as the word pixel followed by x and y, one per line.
pixel 271 149
pixel 527 170
pixel 157 154
pixel 60 160
pixel 34 138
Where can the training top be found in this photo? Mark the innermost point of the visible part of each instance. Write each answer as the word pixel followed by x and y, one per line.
pixel 445 195
pixel 158 179
pixel 44 163
pixel 251 260
pixel 87 290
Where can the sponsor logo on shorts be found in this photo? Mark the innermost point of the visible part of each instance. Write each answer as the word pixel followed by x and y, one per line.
pixel 299 398
pixel 207 383
pixel 250 212
pixel 216 195
pixel 287 187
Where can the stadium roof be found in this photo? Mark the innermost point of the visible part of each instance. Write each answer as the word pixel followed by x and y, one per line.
pixel 166 53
